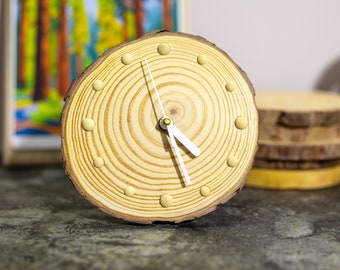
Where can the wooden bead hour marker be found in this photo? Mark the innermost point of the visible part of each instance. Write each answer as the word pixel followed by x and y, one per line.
pixel 129 191
pixel 232 161
pixel 241 122
pixel 88 124
pixel 127 59
pixel 98 162
pixel 163 49
pixel 97 85
pixel 205 191
pixel 166 200
pixel 202 59
pixel 230 86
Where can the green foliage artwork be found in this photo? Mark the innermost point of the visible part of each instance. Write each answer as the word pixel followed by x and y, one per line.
pixel 57 39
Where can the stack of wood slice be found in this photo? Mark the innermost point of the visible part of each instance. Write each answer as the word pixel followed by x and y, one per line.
pixel 299 140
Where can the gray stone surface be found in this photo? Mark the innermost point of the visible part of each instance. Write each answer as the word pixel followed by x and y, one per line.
pixel 45 224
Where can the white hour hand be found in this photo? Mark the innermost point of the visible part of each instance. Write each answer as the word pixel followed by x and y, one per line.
pixel 184 140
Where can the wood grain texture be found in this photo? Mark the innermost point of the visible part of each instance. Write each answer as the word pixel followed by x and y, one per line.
pixel 298 109
pixel 294 165
pixel 299 140
pixel 294 179
pixel 124 163
pixel 306 151
pixel 279 133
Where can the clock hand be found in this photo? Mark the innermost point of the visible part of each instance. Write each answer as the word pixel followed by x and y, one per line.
pixel 154 87
pixel 178 154
pixel 184 140
pixel 167 124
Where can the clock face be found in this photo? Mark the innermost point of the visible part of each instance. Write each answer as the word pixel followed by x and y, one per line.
pixel 163 128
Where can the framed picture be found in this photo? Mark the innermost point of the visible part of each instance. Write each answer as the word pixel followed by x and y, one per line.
pixel 45 45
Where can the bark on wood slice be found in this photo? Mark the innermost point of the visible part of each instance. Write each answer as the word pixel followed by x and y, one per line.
pixel 117 156
pixel 277 133
pixel 298 109
pixel 294 179
pixel 294 165
pixel 315 150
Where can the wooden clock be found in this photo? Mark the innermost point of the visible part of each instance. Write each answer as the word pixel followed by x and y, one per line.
pixel 163 128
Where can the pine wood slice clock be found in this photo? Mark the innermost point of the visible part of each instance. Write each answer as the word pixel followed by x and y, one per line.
pixel 163 128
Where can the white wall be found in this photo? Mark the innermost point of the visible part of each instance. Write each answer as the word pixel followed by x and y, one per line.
pixel 287 44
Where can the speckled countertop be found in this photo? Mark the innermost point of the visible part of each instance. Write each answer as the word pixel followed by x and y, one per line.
pixel 45 224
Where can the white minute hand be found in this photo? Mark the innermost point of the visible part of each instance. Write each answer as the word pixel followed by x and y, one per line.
pixel 177 152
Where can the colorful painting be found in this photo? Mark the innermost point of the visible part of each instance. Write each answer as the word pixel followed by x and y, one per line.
pixel 57 39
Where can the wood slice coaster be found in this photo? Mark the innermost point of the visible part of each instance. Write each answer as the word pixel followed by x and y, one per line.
pixel 119 156
pixel 298 109
pixel 277 133
pixel 293 165
pixel 311 151
pixel 294 179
